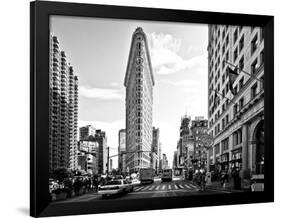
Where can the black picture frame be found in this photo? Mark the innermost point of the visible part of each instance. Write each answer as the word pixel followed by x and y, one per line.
pixel 39 85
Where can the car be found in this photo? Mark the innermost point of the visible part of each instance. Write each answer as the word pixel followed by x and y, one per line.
pixel 257 183
pixel 114 187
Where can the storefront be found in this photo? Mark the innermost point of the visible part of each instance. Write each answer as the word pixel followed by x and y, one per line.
pixel 236 159
pixel 225 161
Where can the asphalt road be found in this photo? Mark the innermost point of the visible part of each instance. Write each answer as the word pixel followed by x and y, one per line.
pixel 177 187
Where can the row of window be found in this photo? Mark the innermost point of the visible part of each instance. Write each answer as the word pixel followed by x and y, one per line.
pixel 237 50
pixel 224 145
pixel 236 107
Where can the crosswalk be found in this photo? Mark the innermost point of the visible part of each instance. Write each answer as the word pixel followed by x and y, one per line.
pixel 165 187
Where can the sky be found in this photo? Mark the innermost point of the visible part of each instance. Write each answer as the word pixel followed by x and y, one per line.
pixel 98 50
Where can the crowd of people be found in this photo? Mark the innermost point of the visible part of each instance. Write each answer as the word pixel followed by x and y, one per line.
pixel 200 177
pixel 77 185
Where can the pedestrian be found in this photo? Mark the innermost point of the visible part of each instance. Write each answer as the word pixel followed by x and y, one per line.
pixel 223 179
pixel 203 180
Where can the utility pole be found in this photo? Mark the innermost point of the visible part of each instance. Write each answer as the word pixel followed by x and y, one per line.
pixel 107 160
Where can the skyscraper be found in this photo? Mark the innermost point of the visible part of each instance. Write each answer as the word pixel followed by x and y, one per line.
pixel 86 131
pixel 236 116
pixel 122 150
pixel 199 128
pixel 63 110
pixel 184 142
pixel 156 150
pixel 100 138
pixel 139 82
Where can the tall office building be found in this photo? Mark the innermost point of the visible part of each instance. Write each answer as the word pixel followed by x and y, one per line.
pixel 139 82
pixel 199 128
pixel 63 110
pixel 122 150
pixel 184 142
pixel 165 164
pixel 86 131
pixel 156 150
pixel 101 139
pixel 236 117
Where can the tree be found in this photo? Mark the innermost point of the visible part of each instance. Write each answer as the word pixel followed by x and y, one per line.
pixel 61 174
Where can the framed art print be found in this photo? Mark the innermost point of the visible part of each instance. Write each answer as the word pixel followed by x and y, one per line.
pixel 141 109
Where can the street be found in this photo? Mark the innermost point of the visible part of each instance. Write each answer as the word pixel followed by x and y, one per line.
pixel 177 187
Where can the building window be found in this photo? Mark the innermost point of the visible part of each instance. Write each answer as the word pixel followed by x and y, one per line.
pixel 262 58
pixel 254 90
pixel 235 35
pixel 237 137
pixel 223 108
pixel 241 103
pixel 227 40
pixel 261 34
pixel 254 66
pixel 223 78
pixel 139 45
pixel 235 55
pixel 224 144
pixel 227 56
pixel 235 109
pixel 241 64
pixel 223 123
pixel 217 148
pixel 254 44
pixel 241 44
pixel 226 119
pixel 235 90
pixel 241 83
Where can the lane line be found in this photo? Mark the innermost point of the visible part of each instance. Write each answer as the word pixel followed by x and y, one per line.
pixel 157 187
pixel 187 186
pixel 152 187
pixel 169 186
pixel 145 188
pixel 193 186
pixel 176 187
pixel 163 187
pixel 181 186
pixel 139 188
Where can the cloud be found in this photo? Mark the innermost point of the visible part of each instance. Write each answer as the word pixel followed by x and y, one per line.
pixel 101 93
pixel 164 50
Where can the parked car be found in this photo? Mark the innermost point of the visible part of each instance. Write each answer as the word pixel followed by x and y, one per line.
pixel 114 187
pixel 257 183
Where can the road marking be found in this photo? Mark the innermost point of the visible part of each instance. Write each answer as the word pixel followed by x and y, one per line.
pixel 152 187
pixel 187 186
pixel 176 187
pixel 145 188
pixel 169 186
pixel 139 188
pixel 181 186
pixel 157 187
pixel 163 187
pixel 193 186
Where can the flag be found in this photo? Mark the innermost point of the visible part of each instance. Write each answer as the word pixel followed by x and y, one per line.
pixel 232 75
pixel 215 99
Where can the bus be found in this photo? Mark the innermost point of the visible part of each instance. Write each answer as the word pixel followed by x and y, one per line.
pixel 146 175
pixel 167 175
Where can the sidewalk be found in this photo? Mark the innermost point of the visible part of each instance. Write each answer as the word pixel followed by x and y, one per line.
pixel 216 185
